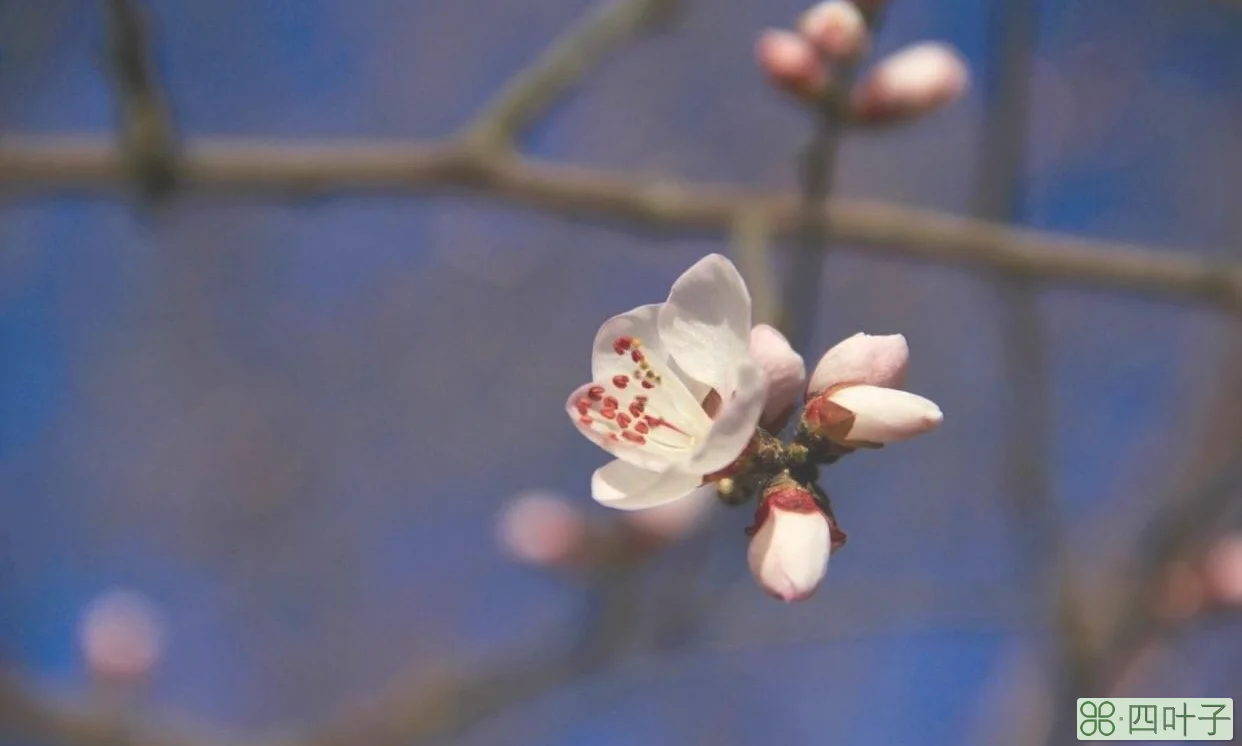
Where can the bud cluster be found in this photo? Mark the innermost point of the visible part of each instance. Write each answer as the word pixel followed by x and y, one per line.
pixel 815 64
pixel 851 402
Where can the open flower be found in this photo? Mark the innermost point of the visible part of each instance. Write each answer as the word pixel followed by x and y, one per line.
pixel 675 395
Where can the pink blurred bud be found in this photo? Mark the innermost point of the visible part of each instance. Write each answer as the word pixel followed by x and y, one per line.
pixel 837 28
pixel 791 541
pixel 542 529
pixel 667 523
pixel 1223 568
pixel 915 81
pixel 121 635
pixel 791 63
pixel 869 415
pixel 784 370
pixel 862 358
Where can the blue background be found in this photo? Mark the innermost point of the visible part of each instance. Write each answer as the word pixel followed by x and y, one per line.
pixel 292 423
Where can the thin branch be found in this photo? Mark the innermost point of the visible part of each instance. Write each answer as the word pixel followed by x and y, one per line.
pixel 752 247
pixel 819 168
pixel 233 167
pixel 999 196
pixel 32 715
pixel 578 51
pixel 144 126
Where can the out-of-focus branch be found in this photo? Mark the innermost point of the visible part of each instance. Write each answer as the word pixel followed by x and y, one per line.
pixel 145 130
pixel 529 93
pixel 234 166
pixel 750 238
pixel 999 195
pixel 29 714
pixel 818 166
pixel 440 705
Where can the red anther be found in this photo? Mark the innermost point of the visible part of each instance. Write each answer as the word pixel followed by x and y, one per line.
pixel 585 421
pixel 633 437
pixel 610 402
pixel 622 344
pixel 608 413
pixel 648 385
pixel 623 419
pixel 637 356
pixel 583 406
pixel 636 408
pixel 642 427
pixel 595 393
pixel 620 381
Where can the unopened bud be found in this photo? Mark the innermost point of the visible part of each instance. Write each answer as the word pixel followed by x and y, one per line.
pixel 122 636
pixel 542 529
pixel 791 541
pixel 911 83
pixel 791 63
pixel 862 358
pixel 837 28
pixel 868 416
pixel 785 373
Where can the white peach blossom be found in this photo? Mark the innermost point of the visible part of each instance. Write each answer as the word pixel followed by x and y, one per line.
pixel 675 394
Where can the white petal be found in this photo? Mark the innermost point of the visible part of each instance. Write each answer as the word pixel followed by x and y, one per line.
pixel 862 358
pixel 623 486
pixel 736 420
pixel 706 322
pixel 886 415
pixel 652 408
pixel 783 370
pixel 638 323
pixel 788 556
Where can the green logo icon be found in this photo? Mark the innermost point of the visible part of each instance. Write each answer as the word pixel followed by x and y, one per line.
pixel 1097 718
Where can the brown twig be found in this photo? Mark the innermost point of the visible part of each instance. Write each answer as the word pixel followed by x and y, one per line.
pixel 1014 28
pixel 144 126
pixel 30 714
pixel 818 170
pixel 41 165
pixel 750 243
pixel 578 51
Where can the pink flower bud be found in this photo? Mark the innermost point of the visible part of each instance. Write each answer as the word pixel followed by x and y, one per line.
pixel 915 81
pixel 784 370
pixel 122 636
pixel 837 28
pixel 869 416
pixel 1223 567
pixel 667 523
pixel 862 358
pixel 541 529
pixel 790 542
pixel 791 63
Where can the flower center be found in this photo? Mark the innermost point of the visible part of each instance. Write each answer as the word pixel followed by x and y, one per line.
pixel 635 406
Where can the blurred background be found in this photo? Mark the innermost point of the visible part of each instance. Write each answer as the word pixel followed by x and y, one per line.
pixel 285 430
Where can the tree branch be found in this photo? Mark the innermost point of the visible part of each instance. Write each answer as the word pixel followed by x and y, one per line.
pixel 237 166
pixel 144 126
pixel 529 93
pixel 819 166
